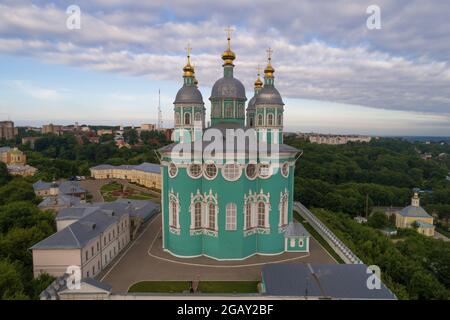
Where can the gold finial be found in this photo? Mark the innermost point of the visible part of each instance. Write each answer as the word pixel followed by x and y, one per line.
pixel 269 70
pixel 258 82
pixel 228 56
pixel 188 69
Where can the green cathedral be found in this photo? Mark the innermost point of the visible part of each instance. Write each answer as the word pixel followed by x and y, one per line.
pixel 234 200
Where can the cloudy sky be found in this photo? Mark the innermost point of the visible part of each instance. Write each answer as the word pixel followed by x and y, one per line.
pixel 334 73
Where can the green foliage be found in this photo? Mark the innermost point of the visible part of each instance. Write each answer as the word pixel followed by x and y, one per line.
pixel 416 268
pixel 379 220
pixel 339 178
pixel 131 136
pixel 4 174
pixel 22 225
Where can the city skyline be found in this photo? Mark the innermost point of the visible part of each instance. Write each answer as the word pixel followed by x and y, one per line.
pixel 338 77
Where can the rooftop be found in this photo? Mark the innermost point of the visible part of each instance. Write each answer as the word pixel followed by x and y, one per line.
pixel 333 281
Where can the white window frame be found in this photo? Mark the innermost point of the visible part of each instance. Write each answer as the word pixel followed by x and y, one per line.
pixel 231 217
pixel 269 168
pixel 236 174
pixel 189 171
pixel 285 164
pixel 169 170
pixel 256 171
pixel 205 172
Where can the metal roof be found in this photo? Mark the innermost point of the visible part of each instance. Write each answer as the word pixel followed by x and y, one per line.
pixel 335 281
pixel 295 229
pixel 413 211
pixel 189 94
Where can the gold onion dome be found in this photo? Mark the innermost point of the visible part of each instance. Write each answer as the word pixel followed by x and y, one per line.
pixel 258 82
pixel 228 56
pixel 269 70
pixel 188 68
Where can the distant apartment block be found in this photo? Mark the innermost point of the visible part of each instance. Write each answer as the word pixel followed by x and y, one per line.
pixel 7 130
pixel 102 132
pixel 145 174
pixel 52 128
pixel 30 140
pixel 334 139
pixel 147 127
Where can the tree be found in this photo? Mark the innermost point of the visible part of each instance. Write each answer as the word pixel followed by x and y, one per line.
pixel 131 136
pixel 11 286
pixel 4 174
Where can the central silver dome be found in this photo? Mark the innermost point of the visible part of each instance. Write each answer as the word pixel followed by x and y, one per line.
pixel 189 94
pixel 228 87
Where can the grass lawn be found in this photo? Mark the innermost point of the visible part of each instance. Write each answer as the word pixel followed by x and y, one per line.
pixel 318 237
pixel 141 196
pixel 113 186
pixel 228 287
pixel 160 286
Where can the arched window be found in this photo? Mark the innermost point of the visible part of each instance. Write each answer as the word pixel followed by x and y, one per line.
pixel 250 171
pixel 270 119
pixel 210 170
pixel 173 170
pixel 187 118
pixel 260 119
pixel 251 121
pixel 231 171
pixel 198 215
pixel 229 111
pixel 177 118
pixel 173 214
pixel 280 119
pixel 248 215
pixel 212 216
pixel 261 214
pixel 283 207
pixel 230 217
pixel 198 116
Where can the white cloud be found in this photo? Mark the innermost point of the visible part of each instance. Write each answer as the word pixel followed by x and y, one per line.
pixel 401 67
pixel 34 91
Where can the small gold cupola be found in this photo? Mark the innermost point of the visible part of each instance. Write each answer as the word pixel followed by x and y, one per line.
pixel 269 70
pixel 258 82
pixel 188 70
pixel 228 56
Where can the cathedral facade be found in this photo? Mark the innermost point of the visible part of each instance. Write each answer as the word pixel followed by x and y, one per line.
pixel 229 204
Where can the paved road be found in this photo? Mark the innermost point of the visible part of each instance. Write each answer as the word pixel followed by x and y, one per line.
pixel 93 187
pixel 144 261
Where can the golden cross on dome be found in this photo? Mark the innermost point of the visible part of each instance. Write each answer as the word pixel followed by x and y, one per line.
pixel 269 54
pixel 259 69
pixel 188 49
pixel 229 30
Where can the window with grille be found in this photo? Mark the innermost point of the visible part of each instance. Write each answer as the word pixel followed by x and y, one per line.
pixel 212 216
pixel 270 119
pixel 198 215
pixel 174 213
pixel 231 217
pixel 173 170
pixel 231 171
pixel 211 170
pixel 250 170
pixel 195 170
pixel 248 215
pixel 261 214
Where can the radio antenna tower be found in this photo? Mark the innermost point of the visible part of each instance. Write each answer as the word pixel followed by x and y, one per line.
pixel 160 121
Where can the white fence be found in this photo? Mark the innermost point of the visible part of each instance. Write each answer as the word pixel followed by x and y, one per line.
pixel 338 246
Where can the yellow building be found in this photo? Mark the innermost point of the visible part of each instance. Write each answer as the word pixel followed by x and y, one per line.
pixel 16 162
pixel 145 174
pixel 415 216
